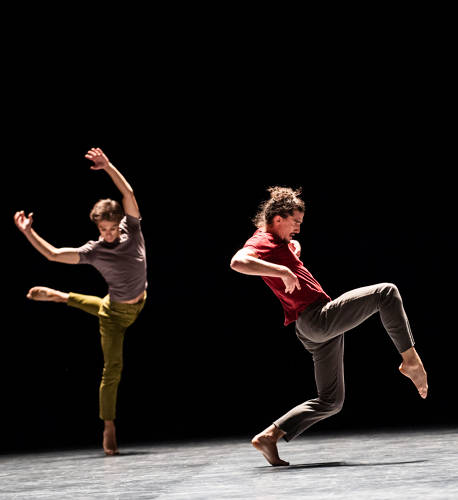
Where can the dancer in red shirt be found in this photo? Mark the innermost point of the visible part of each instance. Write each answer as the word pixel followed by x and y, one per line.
pixel 274 254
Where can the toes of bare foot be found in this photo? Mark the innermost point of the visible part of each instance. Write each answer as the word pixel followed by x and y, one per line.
pixel 31 293
pixel 110 449
pixel 423 391
pixel 111 453
pixel 280 463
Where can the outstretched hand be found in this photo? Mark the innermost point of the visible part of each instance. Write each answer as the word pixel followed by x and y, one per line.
pixel 99 158
pixel 22 222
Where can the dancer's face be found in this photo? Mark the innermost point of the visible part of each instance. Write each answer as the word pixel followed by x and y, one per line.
pixel 286 228
pixel 109 231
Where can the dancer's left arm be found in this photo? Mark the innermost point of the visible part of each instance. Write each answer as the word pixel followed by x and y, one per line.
pixel 101 162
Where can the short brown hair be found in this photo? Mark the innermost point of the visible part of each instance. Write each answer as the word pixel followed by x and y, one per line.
pixel 109 210
pixel 283 201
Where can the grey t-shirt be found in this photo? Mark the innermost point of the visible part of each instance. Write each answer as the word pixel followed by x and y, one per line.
pixel 122 263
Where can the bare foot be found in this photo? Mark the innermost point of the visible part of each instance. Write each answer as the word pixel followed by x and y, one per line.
pixel 110 447
pixel 266 443
pixel 46 294
pixel 412 367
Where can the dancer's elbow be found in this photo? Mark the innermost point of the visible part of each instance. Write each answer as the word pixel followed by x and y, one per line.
pixel 238 262
pixel 242 259
pixel 235 263
pixel 64 256
pixel 52 256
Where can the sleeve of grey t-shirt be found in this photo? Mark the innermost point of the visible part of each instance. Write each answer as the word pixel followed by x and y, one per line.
pixel 87 252
pixel 131 222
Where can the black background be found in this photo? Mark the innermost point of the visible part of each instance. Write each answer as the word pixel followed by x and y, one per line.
pixel 201 122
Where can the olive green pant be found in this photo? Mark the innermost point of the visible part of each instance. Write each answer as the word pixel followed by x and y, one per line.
pixel 114 319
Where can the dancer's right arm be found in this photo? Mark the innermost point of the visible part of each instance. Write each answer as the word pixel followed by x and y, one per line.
pixel 246 261
pixel 64 255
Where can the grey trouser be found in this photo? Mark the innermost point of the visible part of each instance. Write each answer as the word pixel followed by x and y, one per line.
pixel 321 327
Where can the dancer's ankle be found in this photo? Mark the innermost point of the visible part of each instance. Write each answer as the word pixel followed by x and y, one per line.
pixel 410 356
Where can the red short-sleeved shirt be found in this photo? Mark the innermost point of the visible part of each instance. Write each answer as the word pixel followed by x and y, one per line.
pixel 270 249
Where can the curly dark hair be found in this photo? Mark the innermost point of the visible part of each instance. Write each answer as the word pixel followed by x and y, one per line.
pixel 283 201
pixel 109 210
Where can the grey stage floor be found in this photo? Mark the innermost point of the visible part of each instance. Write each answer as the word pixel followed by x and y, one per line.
pixel 420 464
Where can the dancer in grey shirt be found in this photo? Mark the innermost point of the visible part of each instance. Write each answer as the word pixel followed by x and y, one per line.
pixel 119 255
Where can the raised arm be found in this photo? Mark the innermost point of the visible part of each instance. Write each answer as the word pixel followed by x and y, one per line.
pixel 101 162
pixel 64 255
pixel 246 261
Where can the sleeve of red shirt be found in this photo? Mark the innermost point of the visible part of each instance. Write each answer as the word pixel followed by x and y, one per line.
pixel 261 244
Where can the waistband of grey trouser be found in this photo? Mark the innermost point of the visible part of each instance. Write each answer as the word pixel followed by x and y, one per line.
pixel 318 304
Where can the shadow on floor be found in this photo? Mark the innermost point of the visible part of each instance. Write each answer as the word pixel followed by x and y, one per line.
pixel 336 464
pixel 111 457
